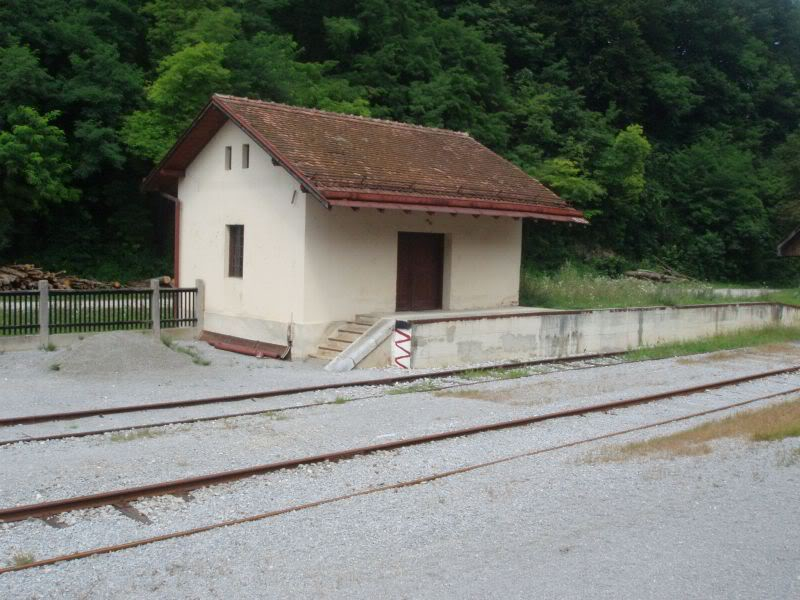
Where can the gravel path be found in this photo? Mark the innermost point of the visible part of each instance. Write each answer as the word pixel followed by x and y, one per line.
pixel 554 525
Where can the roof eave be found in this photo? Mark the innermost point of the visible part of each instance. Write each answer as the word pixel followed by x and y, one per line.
pixel 453 205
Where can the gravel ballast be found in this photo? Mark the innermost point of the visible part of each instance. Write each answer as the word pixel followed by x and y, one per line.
pixel 555 525
pixel 559 524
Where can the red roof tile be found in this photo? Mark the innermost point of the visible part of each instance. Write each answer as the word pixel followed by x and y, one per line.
pixel 365 161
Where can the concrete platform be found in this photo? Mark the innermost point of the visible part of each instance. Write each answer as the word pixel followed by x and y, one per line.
pixel 435 315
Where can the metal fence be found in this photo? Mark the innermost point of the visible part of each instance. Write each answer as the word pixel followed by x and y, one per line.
pixel 100 310
pixel 80 311
pixel 19 313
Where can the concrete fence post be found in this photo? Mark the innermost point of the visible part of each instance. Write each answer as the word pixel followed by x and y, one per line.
pixel 200 306
pixel 155 306
pixel 44 313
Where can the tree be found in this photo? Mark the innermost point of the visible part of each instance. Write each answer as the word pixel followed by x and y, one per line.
pixel 33 167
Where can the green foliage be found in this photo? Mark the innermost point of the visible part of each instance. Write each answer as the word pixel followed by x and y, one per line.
pixel 185 81
pixel 674 125
pixel 34 172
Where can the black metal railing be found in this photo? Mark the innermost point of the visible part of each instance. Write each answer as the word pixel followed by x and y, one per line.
pixel 81 311
pixel 19 313
pixel 178 307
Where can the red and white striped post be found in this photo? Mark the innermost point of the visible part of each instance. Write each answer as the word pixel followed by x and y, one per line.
pixel 401 345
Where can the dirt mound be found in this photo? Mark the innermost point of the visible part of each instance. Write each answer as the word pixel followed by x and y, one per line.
pixel 120 352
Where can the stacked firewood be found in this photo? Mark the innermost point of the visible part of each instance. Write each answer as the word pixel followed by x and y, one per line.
pixel 27 277
pixel 655 276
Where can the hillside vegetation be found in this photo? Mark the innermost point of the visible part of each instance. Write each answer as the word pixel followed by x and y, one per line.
pixel 673 124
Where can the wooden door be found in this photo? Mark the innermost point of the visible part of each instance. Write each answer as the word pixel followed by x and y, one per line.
pixel 420 270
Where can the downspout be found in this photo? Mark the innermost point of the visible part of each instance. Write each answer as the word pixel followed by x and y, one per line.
pixel 176 237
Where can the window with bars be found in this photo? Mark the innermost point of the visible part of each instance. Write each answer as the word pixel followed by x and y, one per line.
pixel 235 250
pixel 245 156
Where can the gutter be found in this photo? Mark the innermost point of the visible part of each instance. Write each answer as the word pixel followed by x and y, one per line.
pixel 176 238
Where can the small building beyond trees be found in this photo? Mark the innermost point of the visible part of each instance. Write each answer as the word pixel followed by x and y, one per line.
pixel 790 246
pixel 299 219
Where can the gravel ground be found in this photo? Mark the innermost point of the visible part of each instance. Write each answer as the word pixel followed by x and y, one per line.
pixel 80 466
pixel 721 525
pixel 655 376
pixel 130 368
pixel 554 525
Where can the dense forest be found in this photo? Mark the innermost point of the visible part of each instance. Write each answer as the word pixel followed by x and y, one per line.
pixel 673 124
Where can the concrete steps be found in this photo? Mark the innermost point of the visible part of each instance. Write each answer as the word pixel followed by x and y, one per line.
pixel 345 335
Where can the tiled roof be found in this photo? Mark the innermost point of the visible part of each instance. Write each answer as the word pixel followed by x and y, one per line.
pixel 344 155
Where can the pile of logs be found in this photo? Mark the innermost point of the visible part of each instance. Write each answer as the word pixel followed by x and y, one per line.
pixel 655 276
pixel 27 277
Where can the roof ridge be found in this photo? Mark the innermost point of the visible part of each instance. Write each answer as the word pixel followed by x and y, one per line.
pixel 346 117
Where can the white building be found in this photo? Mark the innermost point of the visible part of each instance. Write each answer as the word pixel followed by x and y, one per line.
pixel 298 220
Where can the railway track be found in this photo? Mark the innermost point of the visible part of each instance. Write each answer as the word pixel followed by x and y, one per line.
pixel 178 486
pixel 132 408
pixel 439 475
pixel 451 373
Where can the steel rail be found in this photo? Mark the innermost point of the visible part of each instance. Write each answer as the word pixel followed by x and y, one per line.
pixel 121 496
pixel 112 410
pixel 382 488
pixel 260 411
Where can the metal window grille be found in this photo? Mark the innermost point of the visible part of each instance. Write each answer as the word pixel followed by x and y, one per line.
pixel 245 156
pixel 227 158
pixel 235 250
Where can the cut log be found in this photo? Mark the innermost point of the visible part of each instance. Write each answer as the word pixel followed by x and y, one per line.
pixel 654 276
pixel 27 277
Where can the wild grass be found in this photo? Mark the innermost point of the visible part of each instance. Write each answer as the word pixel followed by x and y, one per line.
pixel 342 400
pixel 20 559
pixel 771 423
pixel 494 374
pixel 572 287
pixel 422 386
pixel 189 351
pixel 49 347
pixel 136 434
pixel 725 341
pixel 55 367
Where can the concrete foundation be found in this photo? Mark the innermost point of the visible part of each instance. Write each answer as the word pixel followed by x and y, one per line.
pixel 551 334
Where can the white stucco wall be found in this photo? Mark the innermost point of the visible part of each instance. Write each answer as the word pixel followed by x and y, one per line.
pixel 270 295
pixel 351 260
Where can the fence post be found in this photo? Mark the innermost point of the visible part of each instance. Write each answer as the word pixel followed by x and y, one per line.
pixel 155 306
pixel 200 306
pixel 44 313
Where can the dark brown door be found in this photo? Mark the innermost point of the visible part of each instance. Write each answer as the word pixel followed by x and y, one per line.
pixel 420 269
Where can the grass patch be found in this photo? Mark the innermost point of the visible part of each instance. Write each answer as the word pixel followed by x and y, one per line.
pixel 494 374
pixel 189 351
pixel 725 341
pixel 490 396
pixel 275 415
pixel 342 400
pixel 422 386
pixel 55 367
pixel 759 425
pixel 20 559
pixel 572 288
pixel 49 347
pixel 137 434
